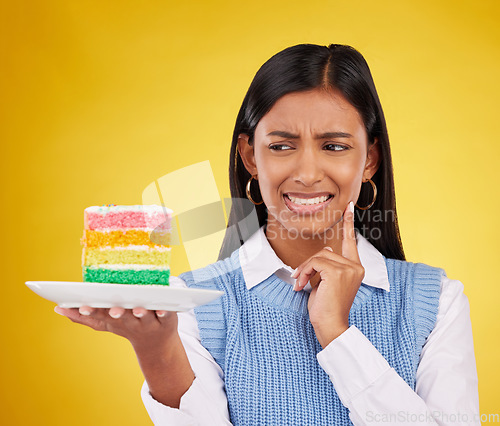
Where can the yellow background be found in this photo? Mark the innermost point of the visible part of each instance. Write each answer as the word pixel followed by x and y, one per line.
pixel 100 98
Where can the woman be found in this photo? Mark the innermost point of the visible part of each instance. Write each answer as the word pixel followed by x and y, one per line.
pixel 322 320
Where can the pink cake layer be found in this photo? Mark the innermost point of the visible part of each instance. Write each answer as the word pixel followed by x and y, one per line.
pixel 127 220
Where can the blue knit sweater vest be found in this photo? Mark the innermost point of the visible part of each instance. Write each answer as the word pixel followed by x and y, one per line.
pixel 265 344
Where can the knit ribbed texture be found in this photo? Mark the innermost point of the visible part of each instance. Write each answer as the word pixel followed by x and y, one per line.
pixel 265 344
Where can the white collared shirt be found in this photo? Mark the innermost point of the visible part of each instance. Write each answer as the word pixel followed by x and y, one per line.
pixel 446 381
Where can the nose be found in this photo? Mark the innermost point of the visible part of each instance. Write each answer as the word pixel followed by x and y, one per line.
pixel 308 169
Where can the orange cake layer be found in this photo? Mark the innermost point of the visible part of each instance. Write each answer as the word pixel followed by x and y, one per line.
pixel 119 238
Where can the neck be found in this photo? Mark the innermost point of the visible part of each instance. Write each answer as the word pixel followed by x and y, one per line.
pixel 294 247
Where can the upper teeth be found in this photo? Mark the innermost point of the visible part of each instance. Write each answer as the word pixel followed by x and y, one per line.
pixel 308 201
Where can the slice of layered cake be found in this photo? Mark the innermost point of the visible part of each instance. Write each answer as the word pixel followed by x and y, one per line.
pixel 118 248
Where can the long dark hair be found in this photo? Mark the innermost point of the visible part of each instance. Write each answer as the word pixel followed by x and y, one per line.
pixel 306 67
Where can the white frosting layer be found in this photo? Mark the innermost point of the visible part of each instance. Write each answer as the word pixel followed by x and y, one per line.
pixel 137 248
pixel 147 229
pixel 120 267
pixel 153 208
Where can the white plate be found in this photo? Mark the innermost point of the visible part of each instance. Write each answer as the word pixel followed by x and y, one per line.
pixel 98 295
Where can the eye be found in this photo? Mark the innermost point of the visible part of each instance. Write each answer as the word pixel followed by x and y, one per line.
pixel 279 147
pixel 335 147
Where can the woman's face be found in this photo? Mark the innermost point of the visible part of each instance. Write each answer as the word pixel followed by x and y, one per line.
pixel 310 155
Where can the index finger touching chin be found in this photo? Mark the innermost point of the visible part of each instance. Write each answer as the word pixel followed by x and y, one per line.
pixel 349 247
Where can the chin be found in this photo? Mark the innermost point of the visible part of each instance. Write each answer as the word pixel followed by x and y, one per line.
pixel 311 231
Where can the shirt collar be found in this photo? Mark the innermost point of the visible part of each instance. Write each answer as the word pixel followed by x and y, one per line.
pixel 259 261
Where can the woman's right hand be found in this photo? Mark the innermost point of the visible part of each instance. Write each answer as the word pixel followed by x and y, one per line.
pixel 143 328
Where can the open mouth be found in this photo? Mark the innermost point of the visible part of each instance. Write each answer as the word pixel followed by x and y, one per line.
pixel 310 204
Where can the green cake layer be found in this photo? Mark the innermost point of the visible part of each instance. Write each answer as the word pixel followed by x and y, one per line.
pixel 126 276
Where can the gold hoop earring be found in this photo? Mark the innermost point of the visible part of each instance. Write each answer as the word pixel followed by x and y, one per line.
pixel 374 196
pixel 249 196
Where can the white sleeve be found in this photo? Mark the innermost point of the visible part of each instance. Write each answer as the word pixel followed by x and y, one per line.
pixel 446 390
pixel 205 402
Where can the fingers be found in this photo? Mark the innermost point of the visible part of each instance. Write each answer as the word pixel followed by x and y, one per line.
pixel 139 312
pixel 326 252
pixel 316 265
pixel 85 310
pixel 89 316
pixel 116 312
pixel 349 246
pixel 303 277
pixel 75 316
pixel 148 316
pixel 326 261
pixel 69 313
pixel 73 313
pixel 350 256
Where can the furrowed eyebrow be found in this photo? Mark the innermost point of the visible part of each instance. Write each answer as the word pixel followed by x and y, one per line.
pixel 327 135
pixel 333 135
pixel 283 134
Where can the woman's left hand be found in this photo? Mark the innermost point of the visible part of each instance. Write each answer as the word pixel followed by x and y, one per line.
pixel 339 279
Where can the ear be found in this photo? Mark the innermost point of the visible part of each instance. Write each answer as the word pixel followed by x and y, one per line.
pixel 247 153
pixel 373 159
